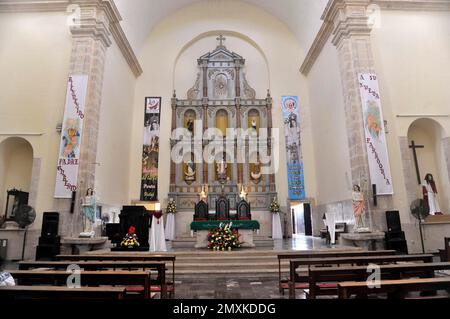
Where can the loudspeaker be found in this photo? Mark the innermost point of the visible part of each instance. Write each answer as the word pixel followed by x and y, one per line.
pixel 50 223
pixel 113 233
pixel 72 202
pixel 393 221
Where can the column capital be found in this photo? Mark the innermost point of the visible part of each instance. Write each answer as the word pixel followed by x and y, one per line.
pixel 95 18
pixel 349 18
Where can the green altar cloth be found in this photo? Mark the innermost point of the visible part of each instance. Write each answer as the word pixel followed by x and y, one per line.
pixel 211 224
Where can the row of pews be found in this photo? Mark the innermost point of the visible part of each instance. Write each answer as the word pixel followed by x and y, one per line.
pixel 351 273
pixel 100 277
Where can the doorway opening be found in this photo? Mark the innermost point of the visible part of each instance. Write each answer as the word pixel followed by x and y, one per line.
pixel 301 219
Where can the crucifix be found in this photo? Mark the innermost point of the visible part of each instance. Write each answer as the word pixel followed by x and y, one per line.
pixel 221 38
pixel 413 146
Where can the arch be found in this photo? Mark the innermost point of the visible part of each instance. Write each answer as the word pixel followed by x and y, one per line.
pixel 225 33
pixel 222 120
pixel 16 166
pixel 432 158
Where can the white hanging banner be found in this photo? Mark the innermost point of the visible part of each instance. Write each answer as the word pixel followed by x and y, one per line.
pixel 380 171
pixel 72 128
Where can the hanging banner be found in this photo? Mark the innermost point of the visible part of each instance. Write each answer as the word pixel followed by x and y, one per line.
pixel 72 129
pixel 150 153
pixel 380 172
pixel 296 184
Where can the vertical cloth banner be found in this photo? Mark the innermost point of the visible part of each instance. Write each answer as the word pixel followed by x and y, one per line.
pixel 377 154
pixel 72 130
pixel 150 152
pixel 294 158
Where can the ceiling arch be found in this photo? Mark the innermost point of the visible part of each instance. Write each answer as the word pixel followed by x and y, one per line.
pixel 302 17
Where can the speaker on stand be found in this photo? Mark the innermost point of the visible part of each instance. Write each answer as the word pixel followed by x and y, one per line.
pixel 49 242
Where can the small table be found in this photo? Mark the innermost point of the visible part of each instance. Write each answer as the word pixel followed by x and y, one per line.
pixel 81 245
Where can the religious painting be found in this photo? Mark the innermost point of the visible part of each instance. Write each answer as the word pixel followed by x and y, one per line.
pixel 150 151
pixel 294 159
pixel 379 168
pixel 71 133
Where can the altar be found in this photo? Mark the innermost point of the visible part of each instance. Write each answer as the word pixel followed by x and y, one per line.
pixel 246 228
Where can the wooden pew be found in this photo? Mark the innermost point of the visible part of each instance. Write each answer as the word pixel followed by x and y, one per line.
pixel 396 289
pixel 160 267
pixel 170 286
pixel 445 253
pixel 334 275
pixel 283 282
pixel 61 293
pixel 87 278
pixel 297 281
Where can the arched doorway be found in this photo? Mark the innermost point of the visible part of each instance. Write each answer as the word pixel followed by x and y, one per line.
pixel 16 164
pixel 426 136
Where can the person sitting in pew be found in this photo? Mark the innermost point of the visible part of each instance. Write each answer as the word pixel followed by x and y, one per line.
pixel 5 277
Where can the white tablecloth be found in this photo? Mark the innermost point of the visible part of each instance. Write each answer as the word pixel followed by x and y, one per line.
pixel 277 232
pixel 157 238
pixel 170 227
pixel 331 223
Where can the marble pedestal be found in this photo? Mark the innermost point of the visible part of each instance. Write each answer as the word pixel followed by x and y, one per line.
pixel 246 238
pixel 79 246
pixel 367 241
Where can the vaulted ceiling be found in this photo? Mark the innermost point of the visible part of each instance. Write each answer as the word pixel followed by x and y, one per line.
pixel 140 16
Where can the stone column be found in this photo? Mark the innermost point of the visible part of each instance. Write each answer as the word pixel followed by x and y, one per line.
pixel 446 149
pixel 351 36
pixel 91 38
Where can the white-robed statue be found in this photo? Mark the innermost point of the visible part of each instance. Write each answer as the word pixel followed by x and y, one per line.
pixel 88 210
pixel 430 195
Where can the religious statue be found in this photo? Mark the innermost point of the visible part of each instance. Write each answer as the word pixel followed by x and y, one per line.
pixel 88 209
pixel 189 174
pixel 190 125
pixel 222 170
pixel 358 208
pixel 203 196
pixel 430 194
pixel 255 173
pixel 254 127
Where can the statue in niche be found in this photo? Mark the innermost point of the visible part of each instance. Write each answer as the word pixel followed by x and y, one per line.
pixel 430 195
pixel 189 173
pixel 255 171
pixel 221 170
pixel 190 125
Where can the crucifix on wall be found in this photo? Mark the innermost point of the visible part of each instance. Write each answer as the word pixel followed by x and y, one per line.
pixel 414 147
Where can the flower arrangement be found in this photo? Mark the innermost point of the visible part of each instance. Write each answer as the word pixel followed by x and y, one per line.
pixel 130 240
pixel 224 238
pixel 274 206
pixel 171 207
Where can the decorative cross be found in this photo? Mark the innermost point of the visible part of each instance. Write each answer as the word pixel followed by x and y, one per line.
pixel 221 38
pixel 413 146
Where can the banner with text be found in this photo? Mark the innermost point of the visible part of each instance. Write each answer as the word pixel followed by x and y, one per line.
pixel 380 171
pixel 296 185
pixel 72 129
pixel 150 153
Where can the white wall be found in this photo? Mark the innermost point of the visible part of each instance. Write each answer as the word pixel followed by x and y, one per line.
pixel 167 40
pixel 332 156
pixel 114 139
pixel 34 63
pixel 412 58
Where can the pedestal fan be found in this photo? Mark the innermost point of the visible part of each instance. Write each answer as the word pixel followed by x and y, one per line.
pixel 419 209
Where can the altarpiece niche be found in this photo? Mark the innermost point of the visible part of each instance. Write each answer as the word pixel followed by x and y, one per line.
pixel 221 98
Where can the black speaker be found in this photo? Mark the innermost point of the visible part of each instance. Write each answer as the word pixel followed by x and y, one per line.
pixel 393 221
pixel 50 223
pixel 113 233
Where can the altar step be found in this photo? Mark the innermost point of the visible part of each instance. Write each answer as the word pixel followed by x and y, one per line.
pixel 189 242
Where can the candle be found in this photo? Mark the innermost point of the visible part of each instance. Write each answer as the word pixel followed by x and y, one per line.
pixel 157 206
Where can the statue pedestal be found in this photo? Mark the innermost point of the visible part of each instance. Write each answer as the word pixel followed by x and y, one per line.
pixel 246 238
pixel 367 241
pixel 78 246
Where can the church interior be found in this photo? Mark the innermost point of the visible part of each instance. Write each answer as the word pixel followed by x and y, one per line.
pixel 224 149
